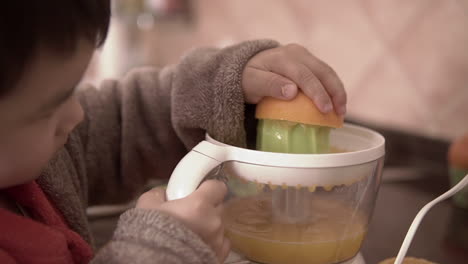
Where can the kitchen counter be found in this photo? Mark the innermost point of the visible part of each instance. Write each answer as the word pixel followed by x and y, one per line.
pixel 415 173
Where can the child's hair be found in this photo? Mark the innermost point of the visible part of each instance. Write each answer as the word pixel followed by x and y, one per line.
pixel 57 25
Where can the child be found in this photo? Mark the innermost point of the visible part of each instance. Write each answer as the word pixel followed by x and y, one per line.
pixel 61 150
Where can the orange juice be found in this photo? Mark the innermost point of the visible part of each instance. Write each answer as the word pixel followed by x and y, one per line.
pixel 334 232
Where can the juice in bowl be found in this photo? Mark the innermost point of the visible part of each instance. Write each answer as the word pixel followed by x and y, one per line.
pixel 327 239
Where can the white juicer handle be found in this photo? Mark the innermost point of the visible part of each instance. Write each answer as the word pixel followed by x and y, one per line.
pixel 191 171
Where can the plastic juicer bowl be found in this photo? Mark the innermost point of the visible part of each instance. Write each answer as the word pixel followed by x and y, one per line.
pixel 292 208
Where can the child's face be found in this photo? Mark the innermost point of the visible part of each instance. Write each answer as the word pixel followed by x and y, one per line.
pixel 39 113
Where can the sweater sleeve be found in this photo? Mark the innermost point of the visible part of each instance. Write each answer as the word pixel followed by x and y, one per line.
pixel 141 126
pixel 148 236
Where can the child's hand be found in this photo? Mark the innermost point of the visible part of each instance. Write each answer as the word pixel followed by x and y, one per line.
pixel 280 71
pixel 200 211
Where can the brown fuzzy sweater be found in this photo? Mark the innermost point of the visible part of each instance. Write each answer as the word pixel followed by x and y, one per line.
pixel 138 128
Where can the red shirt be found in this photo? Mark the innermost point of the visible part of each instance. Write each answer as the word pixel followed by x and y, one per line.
pixel 43 238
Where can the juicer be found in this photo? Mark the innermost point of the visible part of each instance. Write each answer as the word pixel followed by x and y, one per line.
pixel 292 208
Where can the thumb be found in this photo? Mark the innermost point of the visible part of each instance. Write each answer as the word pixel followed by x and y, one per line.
pixel 152 199
pixel 159 194
pixel 264 83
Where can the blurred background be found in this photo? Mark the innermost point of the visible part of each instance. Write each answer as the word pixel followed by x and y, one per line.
pixel 404 63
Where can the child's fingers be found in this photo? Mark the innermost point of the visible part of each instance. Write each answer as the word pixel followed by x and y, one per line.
pixel 332 84
pixel 226 248
pixel 327 77
pixel 263 83
pixel 219 209
pixel 217 242
pixel 298 72
pixel 211 191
